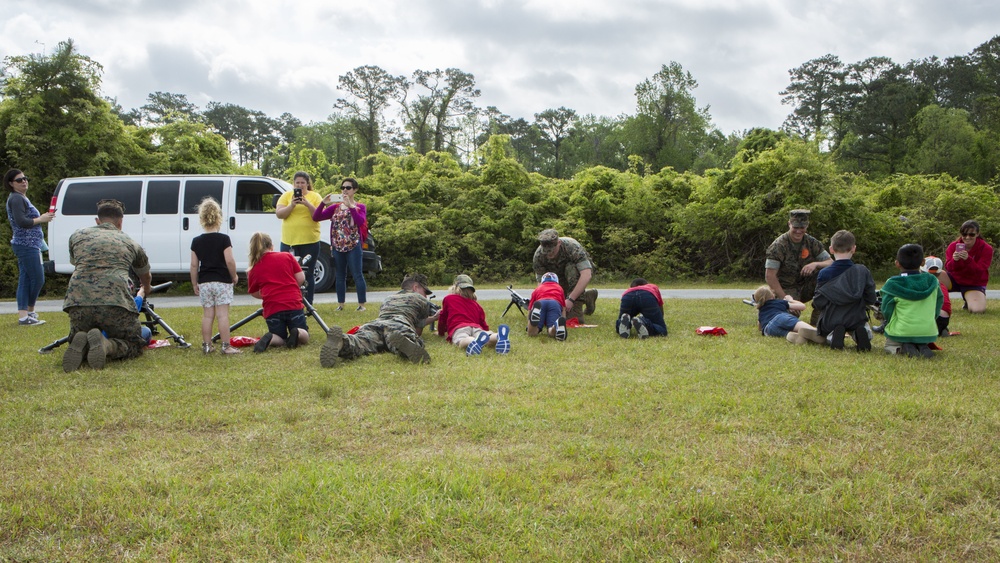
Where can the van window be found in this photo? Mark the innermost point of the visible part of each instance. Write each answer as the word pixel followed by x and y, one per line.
pixel 161 197
pixel 254 196
pixel 197 190
pixel 81 197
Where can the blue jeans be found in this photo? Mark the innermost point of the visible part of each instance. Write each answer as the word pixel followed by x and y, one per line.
pixel 341 262
pixel 781 324
pixel 643 302
pixel 31 275
pixel 300 250
pixel 550 312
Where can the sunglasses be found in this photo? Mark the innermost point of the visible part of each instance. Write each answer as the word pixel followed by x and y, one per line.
pixel 21 180
pixel 348 187
pixel 970 234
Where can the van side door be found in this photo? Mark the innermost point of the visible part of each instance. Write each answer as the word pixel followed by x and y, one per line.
pixel 252 210
pixel 161 226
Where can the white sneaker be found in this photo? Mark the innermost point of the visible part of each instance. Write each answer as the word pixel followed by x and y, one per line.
pixel 30 321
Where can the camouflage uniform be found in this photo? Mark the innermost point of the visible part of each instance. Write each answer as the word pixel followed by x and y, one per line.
pixel 98 293
pixel 567 264
pixel 788 258
pixel 401 313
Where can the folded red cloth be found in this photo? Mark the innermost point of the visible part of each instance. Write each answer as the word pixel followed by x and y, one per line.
pixel 242 341
pixel 353 330
pixel 711 330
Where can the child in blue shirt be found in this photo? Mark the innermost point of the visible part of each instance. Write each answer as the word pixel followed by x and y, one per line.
pixel 775 319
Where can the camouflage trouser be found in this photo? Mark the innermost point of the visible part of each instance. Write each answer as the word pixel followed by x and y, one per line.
pixel 124 332
pixel 371 338
pixel 568 280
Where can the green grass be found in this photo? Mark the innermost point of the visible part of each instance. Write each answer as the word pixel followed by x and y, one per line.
pixel 735 448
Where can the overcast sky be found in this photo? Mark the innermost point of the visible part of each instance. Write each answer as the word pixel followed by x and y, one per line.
pixel 527 55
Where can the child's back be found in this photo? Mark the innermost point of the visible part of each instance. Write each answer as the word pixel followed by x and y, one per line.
pixel 910 303
pixel 844 299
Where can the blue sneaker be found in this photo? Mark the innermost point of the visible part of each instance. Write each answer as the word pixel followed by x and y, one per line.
pixel 503 339
pixel 476 346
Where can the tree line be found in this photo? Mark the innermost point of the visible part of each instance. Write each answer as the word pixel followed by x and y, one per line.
pixel 897 152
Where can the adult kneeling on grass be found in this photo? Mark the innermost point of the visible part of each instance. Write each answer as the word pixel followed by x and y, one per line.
pixel 98 299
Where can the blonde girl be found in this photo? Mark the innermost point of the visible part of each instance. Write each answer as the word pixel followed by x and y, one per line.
pixel 774 317
pixel 213 274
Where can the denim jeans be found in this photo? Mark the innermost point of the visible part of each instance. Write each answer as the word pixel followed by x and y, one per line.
pixel 550 312
pixel 300 250
pixel 341 262
pixel 31 275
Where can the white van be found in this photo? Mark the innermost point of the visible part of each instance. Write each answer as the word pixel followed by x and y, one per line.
pixel 161 213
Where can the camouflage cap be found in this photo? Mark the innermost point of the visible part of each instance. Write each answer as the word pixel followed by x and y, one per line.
pixel 548 237
pixel 463 281
pixel 798 217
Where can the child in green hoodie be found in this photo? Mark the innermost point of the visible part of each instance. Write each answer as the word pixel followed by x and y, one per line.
pixel 910 303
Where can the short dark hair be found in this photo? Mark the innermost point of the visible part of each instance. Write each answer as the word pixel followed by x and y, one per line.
pixel 351 181
pixel 638 281
pixel 412 280
pixel 842 241
pixel 8 178
pixel 110 209
pixel 910 256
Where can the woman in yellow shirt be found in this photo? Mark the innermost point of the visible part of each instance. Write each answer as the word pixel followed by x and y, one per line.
pixel 299 233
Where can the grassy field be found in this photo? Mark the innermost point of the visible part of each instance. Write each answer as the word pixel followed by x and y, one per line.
pixel 734 448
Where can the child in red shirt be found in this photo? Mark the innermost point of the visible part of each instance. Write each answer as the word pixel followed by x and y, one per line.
pixel 463 320
pixel 546 305
pixel 276 278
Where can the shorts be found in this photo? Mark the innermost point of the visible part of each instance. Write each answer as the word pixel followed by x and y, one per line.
pixel 781 325
pixel 213 294
pixel 959 288
pixel 281 322
pixel 465 332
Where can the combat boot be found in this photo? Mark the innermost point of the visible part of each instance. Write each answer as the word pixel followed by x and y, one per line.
pixel 73 356
pixel 589 299
pixel 409 349
pixel 97 353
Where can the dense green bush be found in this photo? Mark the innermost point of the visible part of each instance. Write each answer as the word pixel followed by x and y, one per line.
pixel 430 215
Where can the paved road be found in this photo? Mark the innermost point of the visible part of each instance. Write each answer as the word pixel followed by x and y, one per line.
pixel 162 302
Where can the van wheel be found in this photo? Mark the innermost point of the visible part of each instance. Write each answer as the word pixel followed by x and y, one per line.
pixel 323 272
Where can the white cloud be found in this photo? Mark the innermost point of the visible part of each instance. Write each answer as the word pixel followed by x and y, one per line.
pixel 526 55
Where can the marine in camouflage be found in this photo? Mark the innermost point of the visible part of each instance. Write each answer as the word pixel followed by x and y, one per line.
pixel 788 258
pixel 98 294
pixel 103 255
pixel 403 313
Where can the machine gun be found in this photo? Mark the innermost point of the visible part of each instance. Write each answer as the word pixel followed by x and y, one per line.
pixel 515 299
pixel 152 320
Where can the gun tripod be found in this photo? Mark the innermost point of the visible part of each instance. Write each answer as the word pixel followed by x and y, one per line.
pixel 310 312
pixel 515 299
pixel 153 322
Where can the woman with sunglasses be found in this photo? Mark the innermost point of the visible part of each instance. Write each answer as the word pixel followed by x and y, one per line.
pixel 348 231
pixel 27 244
pixel 967 267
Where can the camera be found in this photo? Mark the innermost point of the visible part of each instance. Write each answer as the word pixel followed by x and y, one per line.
pixel 297 192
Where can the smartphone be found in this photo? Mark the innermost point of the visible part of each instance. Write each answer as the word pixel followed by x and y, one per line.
pixel 336 198
pixel 960 247
pixel 297 192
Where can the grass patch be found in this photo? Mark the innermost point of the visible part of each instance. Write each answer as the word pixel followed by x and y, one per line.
pixel 686 448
